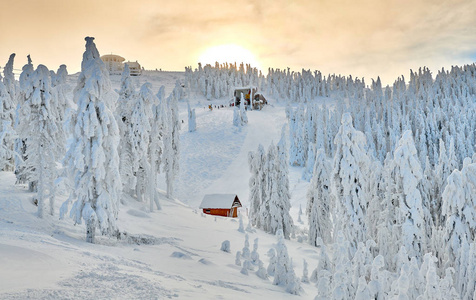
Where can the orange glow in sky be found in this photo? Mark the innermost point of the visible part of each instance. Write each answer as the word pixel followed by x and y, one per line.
pixel 362 38
pixel 229 53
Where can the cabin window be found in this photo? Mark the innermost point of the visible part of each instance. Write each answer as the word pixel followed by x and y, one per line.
pixel 207 211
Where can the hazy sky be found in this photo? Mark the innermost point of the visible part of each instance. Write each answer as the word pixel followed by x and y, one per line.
pixel 364 38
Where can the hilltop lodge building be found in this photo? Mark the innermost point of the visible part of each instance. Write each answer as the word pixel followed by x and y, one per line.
pixel 115 65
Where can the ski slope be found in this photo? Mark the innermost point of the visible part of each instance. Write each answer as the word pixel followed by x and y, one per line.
pixel 172 253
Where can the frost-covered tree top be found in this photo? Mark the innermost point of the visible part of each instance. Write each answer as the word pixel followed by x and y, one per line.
pixel 9 77
pixel 93 80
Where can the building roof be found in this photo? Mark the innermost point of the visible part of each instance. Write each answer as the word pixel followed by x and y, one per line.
pixel 117 57
pixel 133 64
pixel 218 201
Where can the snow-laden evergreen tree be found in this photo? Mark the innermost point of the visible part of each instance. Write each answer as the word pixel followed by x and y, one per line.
pixel 171 145
pixel 297 137
pixel 282 218
pixel 466 265
pixel 238 258
pixel 349 181
pixel 319 200
pixel 225 246
pixel 275 198
pixel 459 209
pixel 123 113
pixel 9 79
pixel 362 262
pixel 262 273
pixel 58 82
pixel 257 163
pixel 156 145
pixel 236 117
pixel 272 262
pixel 305 272
pixel 25 92
pixel 139 139
pixel 7 134
pixel 432 284
pixel 254 256
pixel 363 291
pixel 41 128
pixel 243 115
pixel 92 157
pixel 342 283
pixel 192 119
pixel 284 274
pixel 311 155
pixel 241 226
pixel 254 164
pixel 245 252
pixel 411 214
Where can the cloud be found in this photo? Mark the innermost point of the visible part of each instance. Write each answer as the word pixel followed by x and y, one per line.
pixel 363 38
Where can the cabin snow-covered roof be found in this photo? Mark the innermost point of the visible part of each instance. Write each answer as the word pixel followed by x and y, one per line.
pixel 218 201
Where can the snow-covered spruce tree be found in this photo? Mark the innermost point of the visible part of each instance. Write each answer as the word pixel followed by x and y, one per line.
pixel 123 117
pixel 311 158
pixel 25 91
pixel 139 139
pixel 156 145
pixel 411 213
pixel 192 119
pixel 7 134
pixel 254 164
pixel 9 79
pixel 297 137
pixel 349 181
pixel 58 82
pixel 41 128
pixel 171 144
pixel 282 218
pixel 342 281
pixel 275 204
pixel 466 270
pixel 272 262
pixel 284 274
pixel 319 200
pixel 459 210
pixel 92 158
pixel 257 162
pixel 243 115
pixel 265 211
pixel 236 117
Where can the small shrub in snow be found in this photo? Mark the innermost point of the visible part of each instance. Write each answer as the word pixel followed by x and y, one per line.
pixel 236 118
pixel 254 254
pixel 249 228
pixel 240 228
pixel 261 273
pixel 248 265
pixel 225 246
pixel 246 249
pixel 244 270
pixel 272 262
pixel 192 120
pixel 304 278
pixel 238 258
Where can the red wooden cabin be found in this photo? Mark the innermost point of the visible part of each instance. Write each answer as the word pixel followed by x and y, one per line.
pixel 225 205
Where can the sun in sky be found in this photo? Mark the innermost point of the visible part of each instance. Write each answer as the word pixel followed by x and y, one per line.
pixel 229 53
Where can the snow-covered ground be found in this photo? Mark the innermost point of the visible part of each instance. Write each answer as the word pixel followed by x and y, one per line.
pixel 172 253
